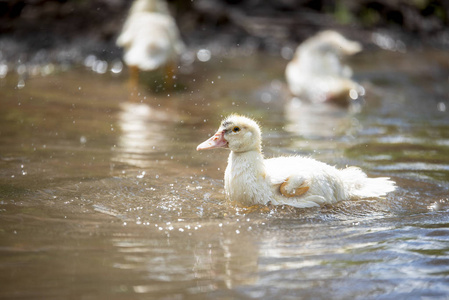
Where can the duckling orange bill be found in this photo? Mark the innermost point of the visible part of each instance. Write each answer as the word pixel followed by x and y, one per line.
pixel 215 141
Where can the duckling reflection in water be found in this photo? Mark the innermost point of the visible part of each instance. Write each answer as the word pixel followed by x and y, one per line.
pixel 250 179
pixel 316 72
pixel 150 39
pixel 141 130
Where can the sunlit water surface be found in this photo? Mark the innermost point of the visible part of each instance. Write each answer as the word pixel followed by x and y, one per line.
pixel 104 198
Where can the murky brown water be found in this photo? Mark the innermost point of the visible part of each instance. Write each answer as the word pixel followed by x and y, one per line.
pixel 105 199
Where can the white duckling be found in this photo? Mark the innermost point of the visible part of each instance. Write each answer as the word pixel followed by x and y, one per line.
pixel 317 73
pixel 296 181
pixel 150 38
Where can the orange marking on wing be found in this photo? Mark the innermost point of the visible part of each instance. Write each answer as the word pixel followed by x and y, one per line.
pixel 296 192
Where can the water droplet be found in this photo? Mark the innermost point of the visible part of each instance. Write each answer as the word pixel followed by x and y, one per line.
pixel 266 97
pixel 21 84
pixel 287 53
pixel 353 94
pixel 3 70
pixel 100 66
pixel 203 55
pixel 47 69
pixel 117 67
pixel 90 60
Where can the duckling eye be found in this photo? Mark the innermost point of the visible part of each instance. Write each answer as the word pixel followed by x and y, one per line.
pixel 236 129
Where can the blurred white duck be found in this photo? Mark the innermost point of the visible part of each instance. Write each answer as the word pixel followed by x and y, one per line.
pixel 316 72
pixel 150 39
pixel 296 181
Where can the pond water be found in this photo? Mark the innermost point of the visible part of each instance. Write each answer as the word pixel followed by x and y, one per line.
pixel 105 198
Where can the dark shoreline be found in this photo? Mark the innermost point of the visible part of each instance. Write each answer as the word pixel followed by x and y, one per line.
pixel 58 31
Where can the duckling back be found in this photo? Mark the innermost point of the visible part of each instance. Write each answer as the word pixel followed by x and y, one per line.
pixel 326 184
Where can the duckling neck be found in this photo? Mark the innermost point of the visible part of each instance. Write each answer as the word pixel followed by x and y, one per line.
pixel 245 178
pixel 249 161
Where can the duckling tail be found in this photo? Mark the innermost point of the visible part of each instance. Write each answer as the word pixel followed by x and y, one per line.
pixel 358 185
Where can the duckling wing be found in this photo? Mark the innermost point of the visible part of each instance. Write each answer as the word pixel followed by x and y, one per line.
pixel 290 173
pixel 301 181
pixel 280 168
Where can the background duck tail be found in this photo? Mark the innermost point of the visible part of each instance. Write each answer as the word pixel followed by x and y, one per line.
pixel 359 185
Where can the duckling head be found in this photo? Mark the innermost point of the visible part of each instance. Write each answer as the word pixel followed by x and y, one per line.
pixel 332 41
pixel 237 133
pixel 328 41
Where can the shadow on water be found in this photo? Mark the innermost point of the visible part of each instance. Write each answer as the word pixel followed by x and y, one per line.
pixel 101 197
